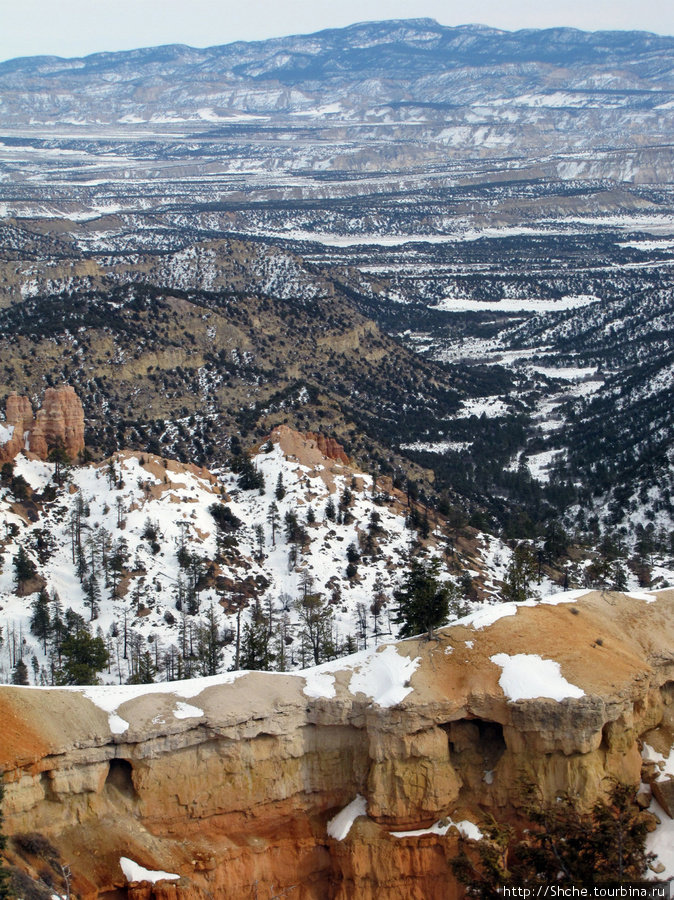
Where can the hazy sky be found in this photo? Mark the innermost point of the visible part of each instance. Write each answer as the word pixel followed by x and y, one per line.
pixel 78 27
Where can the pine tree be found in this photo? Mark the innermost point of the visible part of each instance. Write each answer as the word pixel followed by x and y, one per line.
pixel 564 846
pixel 256 652
pixel 83 655
pixel 273 519
pixel 250 477
pixel 315 619
pixel 423 601
pixel 521 572
pixel 92 594
pixel 20 673
pixel 61 461
pixel 145 670
pixel 57 627
pixel 209 644
pixel 40 623
pixel 24 568
pixel 260 540
pixel 280 490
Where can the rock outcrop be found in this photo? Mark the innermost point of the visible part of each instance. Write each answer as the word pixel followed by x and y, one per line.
pixel 321 454
pixel 230 782
pixel 59 422
pixel 329 447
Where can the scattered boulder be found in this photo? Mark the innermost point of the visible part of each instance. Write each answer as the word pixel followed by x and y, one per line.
pixel 663 791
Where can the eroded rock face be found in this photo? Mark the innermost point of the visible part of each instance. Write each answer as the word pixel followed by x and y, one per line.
pixel 18 420
pixel 322 455
pixel 329 447
pixel 237 797
pixel 60 421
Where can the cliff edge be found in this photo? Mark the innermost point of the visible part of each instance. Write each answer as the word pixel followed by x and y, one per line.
pixel 231 784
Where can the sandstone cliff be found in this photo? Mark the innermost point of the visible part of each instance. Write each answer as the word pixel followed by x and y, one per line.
pixel 59 421
pixel 230 782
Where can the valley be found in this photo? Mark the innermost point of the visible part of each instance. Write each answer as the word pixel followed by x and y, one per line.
pixel 294 334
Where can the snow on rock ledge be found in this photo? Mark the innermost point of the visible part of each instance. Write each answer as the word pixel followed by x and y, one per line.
pixel 232 780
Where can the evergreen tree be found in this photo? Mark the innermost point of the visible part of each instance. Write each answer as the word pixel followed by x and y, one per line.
pixel 618 577
pixel 57 627
pixel 423 601
pixel 520 574
pixel 83 655
pixel 259 540
pixel 256 651
pixel 118 560
pixel 145 670
pixel 92 594
pixel 280 490
pixel 225 519
pixel 315 619
pixel 61 461
pixel 564 846
pixel 20 673
pixel 40 622
pixel 273 519
pixel 250 477
pixel 24 568
pixel 556 541
pixel 209 644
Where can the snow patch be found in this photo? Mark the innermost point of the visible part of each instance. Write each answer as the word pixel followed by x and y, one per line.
pixel 340 825
pixel 468 830
pixel 384 677
pixel 492 407
pixel 642 595
pixel 319 684
pixel 661 841
pixel 117 724
pixel 185 711
pixel 134 872
pixel 438 446
pixel 527 676
pixel 514 304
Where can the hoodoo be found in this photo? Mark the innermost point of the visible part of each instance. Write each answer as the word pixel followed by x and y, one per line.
pixel 59 422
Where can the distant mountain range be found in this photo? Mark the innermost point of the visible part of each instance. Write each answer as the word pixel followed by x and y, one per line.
pixel 349 73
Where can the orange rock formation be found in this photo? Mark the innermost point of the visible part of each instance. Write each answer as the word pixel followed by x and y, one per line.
pixel 328 447
pixel 236 797
pixel 322 456
pixel 59 421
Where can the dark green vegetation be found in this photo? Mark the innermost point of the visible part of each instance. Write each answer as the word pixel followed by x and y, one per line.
pixel 187 372
pixel 565 846
pixel 423 601
pixel 183 373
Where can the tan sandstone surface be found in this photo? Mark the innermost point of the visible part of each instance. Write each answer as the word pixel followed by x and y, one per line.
pixel 230 782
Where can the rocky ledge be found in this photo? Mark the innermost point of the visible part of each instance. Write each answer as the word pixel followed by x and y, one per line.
pixel 231 784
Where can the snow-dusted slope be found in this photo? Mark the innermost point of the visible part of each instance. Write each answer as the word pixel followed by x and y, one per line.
pixel 144 500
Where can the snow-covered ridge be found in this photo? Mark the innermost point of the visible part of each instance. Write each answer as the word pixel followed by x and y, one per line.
pixel 151 509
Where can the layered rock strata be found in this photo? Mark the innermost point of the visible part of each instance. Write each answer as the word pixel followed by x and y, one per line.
pixel 59 422
pixel 230 782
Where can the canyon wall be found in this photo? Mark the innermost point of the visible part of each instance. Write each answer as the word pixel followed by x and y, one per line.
pixel 230 782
